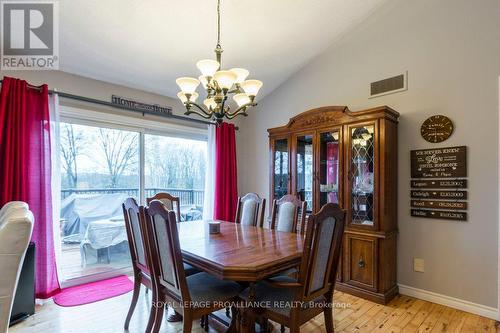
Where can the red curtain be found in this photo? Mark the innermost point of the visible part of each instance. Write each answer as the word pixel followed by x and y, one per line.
pixel 226 190
pixel 25 169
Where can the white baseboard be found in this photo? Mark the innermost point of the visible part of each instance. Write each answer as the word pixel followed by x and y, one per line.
pixel 451 302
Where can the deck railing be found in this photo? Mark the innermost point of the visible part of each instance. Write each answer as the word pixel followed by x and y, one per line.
pixel 187 196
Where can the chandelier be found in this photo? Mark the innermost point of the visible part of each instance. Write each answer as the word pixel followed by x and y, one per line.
pixel 219 86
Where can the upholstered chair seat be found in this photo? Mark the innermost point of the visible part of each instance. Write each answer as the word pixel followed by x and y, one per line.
pixel 204 287
pixel 190 270
pixel 265 293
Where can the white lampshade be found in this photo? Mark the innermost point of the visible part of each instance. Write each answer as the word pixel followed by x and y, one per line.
pixel 188 85
pixel 225 79
pixel 183 98
pixel 251 87
pixel 241 99
pixel 203 80
pixel 210 103
pixel 241 73
pixel 208 67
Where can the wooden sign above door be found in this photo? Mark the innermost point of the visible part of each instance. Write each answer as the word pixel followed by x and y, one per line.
pixel 448 162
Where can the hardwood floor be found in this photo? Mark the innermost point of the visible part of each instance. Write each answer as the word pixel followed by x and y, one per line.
pixel 352 314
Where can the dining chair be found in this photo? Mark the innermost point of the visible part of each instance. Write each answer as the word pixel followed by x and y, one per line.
pixel 142 273
pixel 169 201
pixel 285 214
pixel 312 291
pixel 194 296
pixel 247 211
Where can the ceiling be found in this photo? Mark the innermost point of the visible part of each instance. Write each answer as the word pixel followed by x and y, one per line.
pixel 147 44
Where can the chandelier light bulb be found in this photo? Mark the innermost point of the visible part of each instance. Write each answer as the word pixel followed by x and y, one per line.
pixel 210 103
pixel 366 136
pixel 225 79
pixel 208 67
pixel 182 96
pixel 188 85
pixel 251 87
pixel 241 73
pixel 241 99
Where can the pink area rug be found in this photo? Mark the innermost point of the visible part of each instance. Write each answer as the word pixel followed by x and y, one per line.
pixel 94 291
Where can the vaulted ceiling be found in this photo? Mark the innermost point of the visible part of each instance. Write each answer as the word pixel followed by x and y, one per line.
pixel 147 44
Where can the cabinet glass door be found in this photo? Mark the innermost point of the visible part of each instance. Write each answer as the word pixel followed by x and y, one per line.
pixel 281 173
pixel 329 167
pixel 305 169
pixel 362 162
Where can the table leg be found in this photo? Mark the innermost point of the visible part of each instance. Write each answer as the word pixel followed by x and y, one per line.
pixel 247 322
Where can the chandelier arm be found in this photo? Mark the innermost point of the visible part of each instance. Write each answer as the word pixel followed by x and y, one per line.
pixel 203 113
pixel 241 110
pixel 235 114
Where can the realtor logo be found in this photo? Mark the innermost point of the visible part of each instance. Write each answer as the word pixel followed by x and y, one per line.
pixel 29 32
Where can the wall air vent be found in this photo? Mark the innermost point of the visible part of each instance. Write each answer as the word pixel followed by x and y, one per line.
pixel 389 86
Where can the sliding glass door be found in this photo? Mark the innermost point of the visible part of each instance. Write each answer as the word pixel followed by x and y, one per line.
pixel 177 166
pixel 102 166
pixel 99 170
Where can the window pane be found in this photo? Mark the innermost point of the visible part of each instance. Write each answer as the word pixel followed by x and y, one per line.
pixel 99 170
pixel 280 168
pixel 362 179
pixel 305 169
pixel 177 166
pixel 329 168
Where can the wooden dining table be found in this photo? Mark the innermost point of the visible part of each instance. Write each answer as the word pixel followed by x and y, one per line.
pixel 239 253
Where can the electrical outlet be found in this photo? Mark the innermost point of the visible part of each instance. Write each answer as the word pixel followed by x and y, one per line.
pixel 418 265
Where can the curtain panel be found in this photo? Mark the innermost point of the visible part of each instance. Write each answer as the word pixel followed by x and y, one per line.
pixel 226 189
pixel 25 169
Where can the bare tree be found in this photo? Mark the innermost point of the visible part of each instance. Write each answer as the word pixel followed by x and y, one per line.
pixel 120 151
pixel 72 145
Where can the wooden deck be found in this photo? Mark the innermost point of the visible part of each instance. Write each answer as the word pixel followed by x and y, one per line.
pixel 71 264
pixel 403 314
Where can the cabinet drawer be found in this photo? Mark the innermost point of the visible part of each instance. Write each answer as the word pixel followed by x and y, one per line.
pixel 361 261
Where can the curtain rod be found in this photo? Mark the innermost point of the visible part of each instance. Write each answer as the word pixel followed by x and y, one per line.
pixel 122 107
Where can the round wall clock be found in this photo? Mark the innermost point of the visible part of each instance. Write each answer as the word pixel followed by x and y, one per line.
pixel 436 128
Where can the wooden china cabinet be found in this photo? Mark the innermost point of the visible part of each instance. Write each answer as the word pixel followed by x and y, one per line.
pixel 331 154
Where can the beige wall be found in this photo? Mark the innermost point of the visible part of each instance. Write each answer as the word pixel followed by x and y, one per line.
pixel 451 50
pixel 86 87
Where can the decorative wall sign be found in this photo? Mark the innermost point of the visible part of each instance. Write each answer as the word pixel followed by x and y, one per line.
pixel 435 204
pixel 139 106
pixel 441 183
pixel 448 162
pixel 439 214
pixel 436 128
pixel 426 194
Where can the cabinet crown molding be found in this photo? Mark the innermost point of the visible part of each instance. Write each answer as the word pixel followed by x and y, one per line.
pixel 333 115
